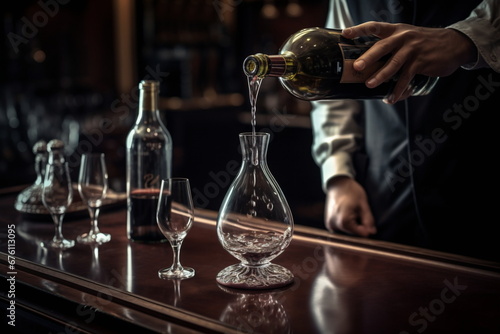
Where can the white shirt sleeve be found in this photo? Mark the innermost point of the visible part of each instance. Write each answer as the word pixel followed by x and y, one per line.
pixel 335 130
pixel 483 28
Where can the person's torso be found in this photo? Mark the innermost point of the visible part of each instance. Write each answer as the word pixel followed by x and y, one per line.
pixel 425 155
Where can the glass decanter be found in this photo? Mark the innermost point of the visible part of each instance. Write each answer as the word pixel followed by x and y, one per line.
pixel 255 223
pixel 29 201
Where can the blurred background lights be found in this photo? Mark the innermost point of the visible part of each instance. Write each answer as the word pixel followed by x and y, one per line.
pixel 39 56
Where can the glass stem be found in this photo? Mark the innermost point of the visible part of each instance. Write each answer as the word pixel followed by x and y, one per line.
pixel 58 226
pixel 93 213
pixel 176 248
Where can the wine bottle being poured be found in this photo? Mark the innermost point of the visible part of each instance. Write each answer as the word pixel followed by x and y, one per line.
pixel 317 63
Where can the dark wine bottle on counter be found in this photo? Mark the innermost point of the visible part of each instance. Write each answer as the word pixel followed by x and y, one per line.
pixel 317 63
pixel 149 160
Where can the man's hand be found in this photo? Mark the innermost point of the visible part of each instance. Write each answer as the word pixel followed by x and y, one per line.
pixel 435 52
pixel 347 208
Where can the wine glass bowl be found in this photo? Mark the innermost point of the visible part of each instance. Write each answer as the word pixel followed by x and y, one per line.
pixel 174 215
pixel 93 186
pixel 57 192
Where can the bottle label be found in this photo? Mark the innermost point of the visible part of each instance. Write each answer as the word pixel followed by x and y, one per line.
pixel 350 53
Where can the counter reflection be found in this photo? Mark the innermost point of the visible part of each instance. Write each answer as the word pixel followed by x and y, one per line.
pixel 256 312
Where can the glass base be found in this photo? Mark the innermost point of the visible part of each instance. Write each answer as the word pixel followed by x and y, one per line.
pixel 241 276
pixel 59 244
pixel 93 238
pixel 180 273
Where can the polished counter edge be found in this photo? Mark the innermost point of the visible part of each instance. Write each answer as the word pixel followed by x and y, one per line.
pixel 380 248
pixel 124 305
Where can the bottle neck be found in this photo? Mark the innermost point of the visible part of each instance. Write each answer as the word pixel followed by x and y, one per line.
pixel 148 100
pixel 261 65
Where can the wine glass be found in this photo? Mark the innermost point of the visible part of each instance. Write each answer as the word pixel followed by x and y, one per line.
pixel 174 215
pixel 57 195
pixel 93 185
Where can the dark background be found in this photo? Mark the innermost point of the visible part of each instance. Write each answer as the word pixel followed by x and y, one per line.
pixel 70 70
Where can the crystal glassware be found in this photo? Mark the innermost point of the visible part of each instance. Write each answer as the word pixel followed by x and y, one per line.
pixel 255 223
pixel 174 215
pixel 92 186
pixel 29 201
pixel 57 193
pixel 149 160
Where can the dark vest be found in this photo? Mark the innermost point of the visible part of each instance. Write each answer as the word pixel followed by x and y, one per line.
pixel 427 164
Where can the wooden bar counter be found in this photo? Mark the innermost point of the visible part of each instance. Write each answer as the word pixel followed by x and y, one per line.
pixel 342 284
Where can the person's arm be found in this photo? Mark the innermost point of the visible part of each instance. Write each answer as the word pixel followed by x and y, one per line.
pixel 335 129
pixel 482 27
pixel 429 51
pixel 336 135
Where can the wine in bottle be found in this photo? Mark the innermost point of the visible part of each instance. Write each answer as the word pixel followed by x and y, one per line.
pixel 149 160
pixel 317 63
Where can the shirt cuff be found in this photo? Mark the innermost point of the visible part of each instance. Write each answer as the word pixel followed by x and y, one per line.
pixel 336 165
pixel 477 30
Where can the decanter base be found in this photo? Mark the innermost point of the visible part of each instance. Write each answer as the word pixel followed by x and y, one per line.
pixel 269 276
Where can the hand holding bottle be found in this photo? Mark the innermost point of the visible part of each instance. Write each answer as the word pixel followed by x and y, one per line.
pixel 317 64
pixel 347 208
pixel 433 52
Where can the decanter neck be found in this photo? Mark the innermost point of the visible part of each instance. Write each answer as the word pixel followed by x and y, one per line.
pixel 55 148
pixel 254 147
pixel 41 157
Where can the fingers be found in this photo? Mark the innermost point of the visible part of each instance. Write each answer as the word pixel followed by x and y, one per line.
pixel 387 46
pixel 366 227
pixel 369 223
pixel 399 56
pixel 377 52
pixel 392 43
pixel 361 224
pixel 372 28
pixel 354 227
pixel 347 208
pixel 390 69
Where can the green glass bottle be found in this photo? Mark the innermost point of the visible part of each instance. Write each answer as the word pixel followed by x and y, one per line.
pixel 317 63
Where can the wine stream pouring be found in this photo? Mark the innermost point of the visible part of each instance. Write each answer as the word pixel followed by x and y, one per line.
pixel 317 63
